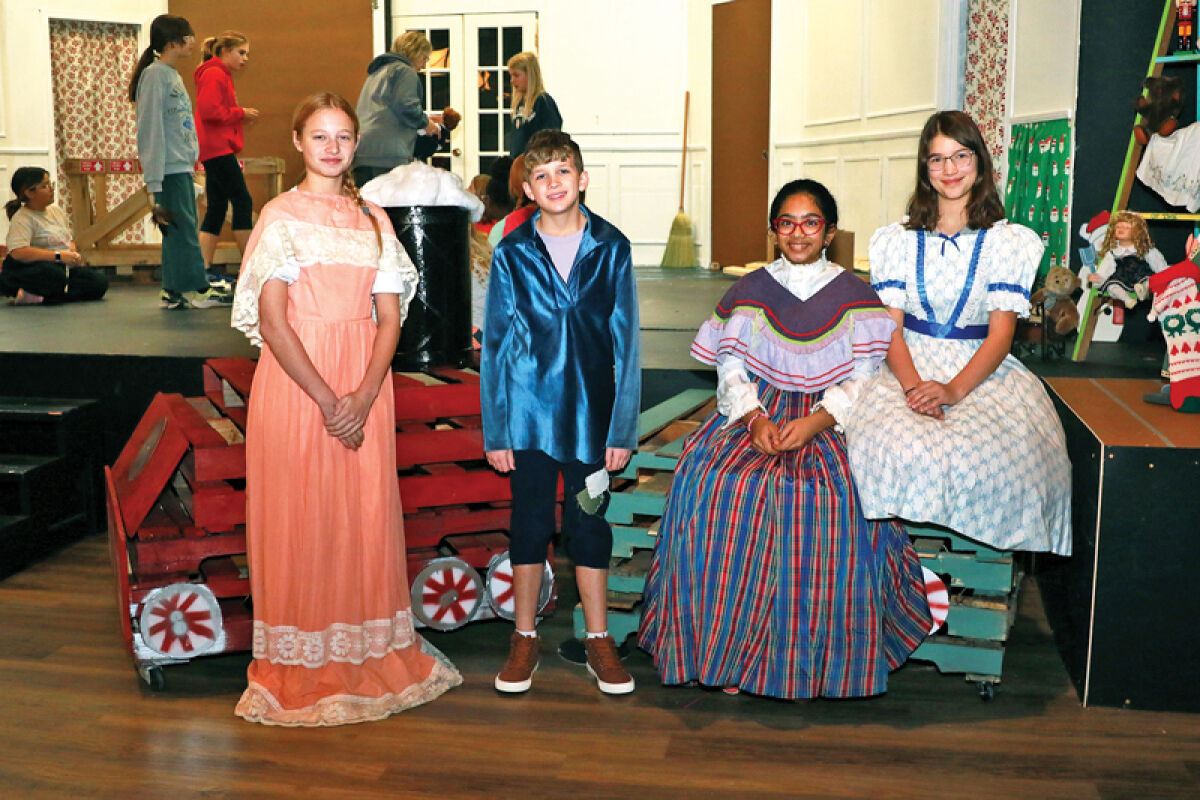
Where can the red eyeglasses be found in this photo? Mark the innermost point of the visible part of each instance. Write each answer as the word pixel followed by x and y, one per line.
pixel 809 225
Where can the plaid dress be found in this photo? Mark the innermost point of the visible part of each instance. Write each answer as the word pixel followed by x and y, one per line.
pixel 766 575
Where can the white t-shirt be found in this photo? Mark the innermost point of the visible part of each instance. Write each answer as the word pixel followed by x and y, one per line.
pixel 49 229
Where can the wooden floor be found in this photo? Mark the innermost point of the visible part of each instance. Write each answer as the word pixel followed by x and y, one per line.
pixel 75 722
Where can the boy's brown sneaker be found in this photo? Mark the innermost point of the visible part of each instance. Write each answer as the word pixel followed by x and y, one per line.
pixel 517 674
pixel 604 662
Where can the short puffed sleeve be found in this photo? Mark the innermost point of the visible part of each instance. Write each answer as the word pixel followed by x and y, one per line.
pixel 269 255
pixel 892 253
pixel 1013 255
pixel 397 274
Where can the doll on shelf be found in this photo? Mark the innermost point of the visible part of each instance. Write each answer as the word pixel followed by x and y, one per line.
pixel 1127 260
pixel 1185 14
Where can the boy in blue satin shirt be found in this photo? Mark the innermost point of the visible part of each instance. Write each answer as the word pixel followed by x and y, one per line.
pixel 561 390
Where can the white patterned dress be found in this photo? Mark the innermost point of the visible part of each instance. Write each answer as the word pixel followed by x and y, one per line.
pixel 995 469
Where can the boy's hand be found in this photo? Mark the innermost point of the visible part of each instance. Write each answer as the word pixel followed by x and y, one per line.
pixel 501 460
pixel 615 458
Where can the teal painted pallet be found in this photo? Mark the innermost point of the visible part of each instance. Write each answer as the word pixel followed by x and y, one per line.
pixel 635 508
pixel 980 659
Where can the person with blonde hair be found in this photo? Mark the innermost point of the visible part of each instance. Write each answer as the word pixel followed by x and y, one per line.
pixel 323 290
pixel 532 109
pixel 391 108
pixel 219 121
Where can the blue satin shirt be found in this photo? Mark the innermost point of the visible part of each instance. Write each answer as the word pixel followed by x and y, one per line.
pixel 560 366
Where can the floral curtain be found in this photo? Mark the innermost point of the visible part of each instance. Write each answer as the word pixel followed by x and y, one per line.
pixel 986 72
pixel 90 65
pixel 1038 186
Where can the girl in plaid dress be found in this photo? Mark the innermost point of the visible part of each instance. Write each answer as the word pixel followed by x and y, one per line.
pixel 766 577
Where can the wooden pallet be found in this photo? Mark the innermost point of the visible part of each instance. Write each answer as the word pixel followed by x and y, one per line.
pixel 639 496
pixel 984 585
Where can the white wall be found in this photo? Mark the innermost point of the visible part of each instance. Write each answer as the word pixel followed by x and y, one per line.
pixel 618 70
pixel 26 94
pixel 1043 58
pixel 852 83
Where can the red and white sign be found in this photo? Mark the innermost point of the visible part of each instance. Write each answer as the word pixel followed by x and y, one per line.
pixel 91 166
pixel 124 165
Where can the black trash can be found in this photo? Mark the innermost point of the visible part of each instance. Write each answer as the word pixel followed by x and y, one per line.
pixel 437 330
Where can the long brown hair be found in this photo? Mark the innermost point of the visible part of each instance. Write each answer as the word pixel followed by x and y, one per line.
pixel 984 208
pixel 1142 243
pixel 165 28
pixel 317 102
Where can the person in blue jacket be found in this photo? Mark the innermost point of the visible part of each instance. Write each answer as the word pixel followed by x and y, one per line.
pixel 561 390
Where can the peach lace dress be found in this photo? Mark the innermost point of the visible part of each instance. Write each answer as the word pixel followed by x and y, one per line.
pixel 333 630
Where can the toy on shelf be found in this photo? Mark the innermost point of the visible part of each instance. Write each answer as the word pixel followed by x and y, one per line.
pixel 1185 14
pixel 1127 259
pixel 1059 313
pixel 1177 309
pixel 1160 107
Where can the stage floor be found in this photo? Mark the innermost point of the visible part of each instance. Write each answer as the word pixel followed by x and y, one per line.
pixel 129 322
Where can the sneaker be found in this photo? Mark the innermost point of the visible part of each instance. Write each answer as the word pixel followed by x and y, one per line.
pixel 604 663
pixel 25 298
pixel 168 299
pixel 209 298
pixel 517 674
pixel 218 281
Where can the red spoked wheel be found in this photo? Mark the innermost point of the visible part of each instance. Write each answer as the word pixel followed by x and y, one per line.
pixel 500 595
pixel 938 597
pixel 182 620
pixel 447 594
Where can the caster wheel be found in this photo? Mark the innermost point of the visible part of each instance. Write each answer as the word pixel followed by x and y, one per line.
pixel 153 676
pixel 447 594
pixel 987 691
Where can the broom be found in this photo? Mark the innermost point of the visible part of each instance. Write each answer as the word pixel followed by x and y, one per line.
pixel 681 247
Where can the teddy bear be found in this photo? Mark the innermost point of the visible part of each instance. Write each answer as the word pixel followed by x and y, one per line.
pixel 1160 108
pixel 1059 311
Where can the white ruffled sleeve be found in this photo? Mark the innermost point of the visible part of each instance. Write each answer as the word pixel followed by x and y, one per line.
pixel 269 256
pixel 737 395
pixel 1013 255
pixel 891 257
pixel 397 274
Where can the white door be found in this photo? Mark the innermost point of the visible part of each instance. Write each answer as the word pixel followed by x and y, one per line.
pixel 442 75
pixel 471 77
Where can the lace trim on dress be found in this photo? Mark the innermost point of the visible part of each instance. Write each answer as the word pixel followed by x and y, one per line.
pixel 286 245
pixel 257 704
pixel 353 644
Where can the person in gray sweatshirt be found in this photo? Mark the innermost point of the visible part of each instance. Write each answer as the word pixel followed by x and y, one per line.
pixel 168 149
pixel 391 108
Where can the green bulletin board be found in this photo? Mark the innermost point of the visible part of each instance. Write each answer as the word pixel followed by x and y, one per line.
pixel 1039 186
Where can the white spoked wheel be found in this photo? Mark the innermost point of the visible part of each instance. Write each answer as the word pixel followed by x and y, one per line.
pixel 500 594
pixel 447 594
pixel 938 597
pixel 182 620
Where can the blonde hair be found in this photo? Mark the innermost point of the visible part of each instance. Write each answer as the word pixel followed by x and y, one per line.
pixel 412 45
pixel 317 102
pixel 215 45
pixel 522 102
pixel 1142 242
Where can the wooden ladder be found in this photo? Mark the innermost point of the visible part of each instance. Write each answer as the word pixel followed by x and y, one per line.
pixel 1133 155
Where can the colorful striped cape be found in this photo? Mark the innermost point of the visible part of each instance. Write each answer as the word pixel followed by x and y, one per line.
pixel 796 345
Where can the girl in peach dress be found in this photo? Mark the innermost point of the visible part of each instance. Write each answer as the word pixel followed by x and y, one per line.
pixel 323 290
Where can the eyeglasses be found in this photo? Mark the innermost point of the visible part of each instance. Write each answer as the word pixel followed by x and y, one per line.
pixel 808 225
pixel 962 159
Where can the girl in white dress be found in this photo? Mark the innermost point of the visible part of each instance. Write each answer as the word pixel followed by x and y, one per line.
pixel 955 431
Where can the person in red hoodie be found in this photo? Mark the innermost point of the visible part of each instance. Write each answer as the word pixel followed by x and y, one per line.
pixel 219 121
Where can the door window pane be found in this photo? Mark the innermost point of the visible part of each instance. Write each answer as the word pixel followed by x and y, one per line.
pixel 488 47
pixel 440 38
pixel 489 96
pixel 439 90
pixel 485 164
pixel 489 139
pixel 512 42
